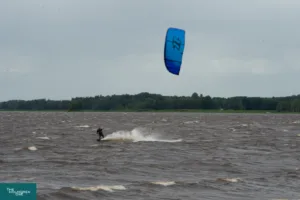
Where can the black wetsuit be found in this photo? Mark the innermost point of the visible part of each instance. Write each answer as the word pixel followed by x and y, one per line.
pixel 100 133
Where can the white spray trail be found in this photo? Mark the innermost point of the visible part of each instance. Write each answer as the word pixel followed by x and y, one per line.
pixel 137 135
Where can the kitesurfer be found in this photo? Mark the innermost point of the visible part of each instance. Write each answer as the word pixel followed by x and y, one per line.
pixel 100 133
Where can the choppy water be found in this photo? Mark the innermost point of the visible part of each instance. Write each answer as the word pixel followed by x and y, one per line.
pixel 152 155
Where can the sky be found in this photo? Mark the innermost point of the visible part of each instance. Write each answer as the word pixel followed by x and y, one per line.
pixel 73 48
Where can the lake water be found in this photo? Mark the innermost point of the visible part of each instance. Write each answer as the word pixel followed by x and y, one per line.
pixel 152 155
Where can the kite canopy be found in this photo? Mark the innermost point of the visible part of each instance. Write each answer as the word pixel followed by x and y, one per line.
pixel 174 48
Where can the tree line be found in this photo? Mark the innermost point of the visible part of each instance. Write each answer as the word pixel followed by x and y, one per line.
pixel 149 102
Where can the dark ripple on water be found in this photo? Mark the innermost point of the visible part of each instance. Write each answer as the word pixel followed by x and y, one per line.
pixel 152 155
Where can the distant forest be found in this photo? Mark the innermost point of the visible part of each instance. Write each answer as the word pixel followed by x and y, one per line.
pixel 151 102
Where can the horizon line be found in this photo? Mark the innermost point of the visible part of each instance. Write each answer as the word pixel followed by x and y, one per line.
pixel 150 93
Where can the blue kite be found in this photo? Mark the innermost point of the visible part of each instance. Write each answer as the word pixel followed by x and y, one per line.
pixel 174 48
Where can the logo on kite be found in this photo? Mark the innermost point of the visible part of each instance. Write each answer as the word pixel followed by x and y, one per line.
pixel 174 48
pixel 176 43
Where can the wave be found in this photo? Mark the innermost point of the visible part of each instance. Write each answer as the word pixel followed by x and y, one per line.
pixel 32 148
pixel 109 188
pixel 82 126
pixel 164 183
pixel 44 138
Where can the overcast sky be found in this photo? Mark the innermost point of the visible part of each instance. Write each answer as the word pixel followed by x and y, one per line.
pixel 61 49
